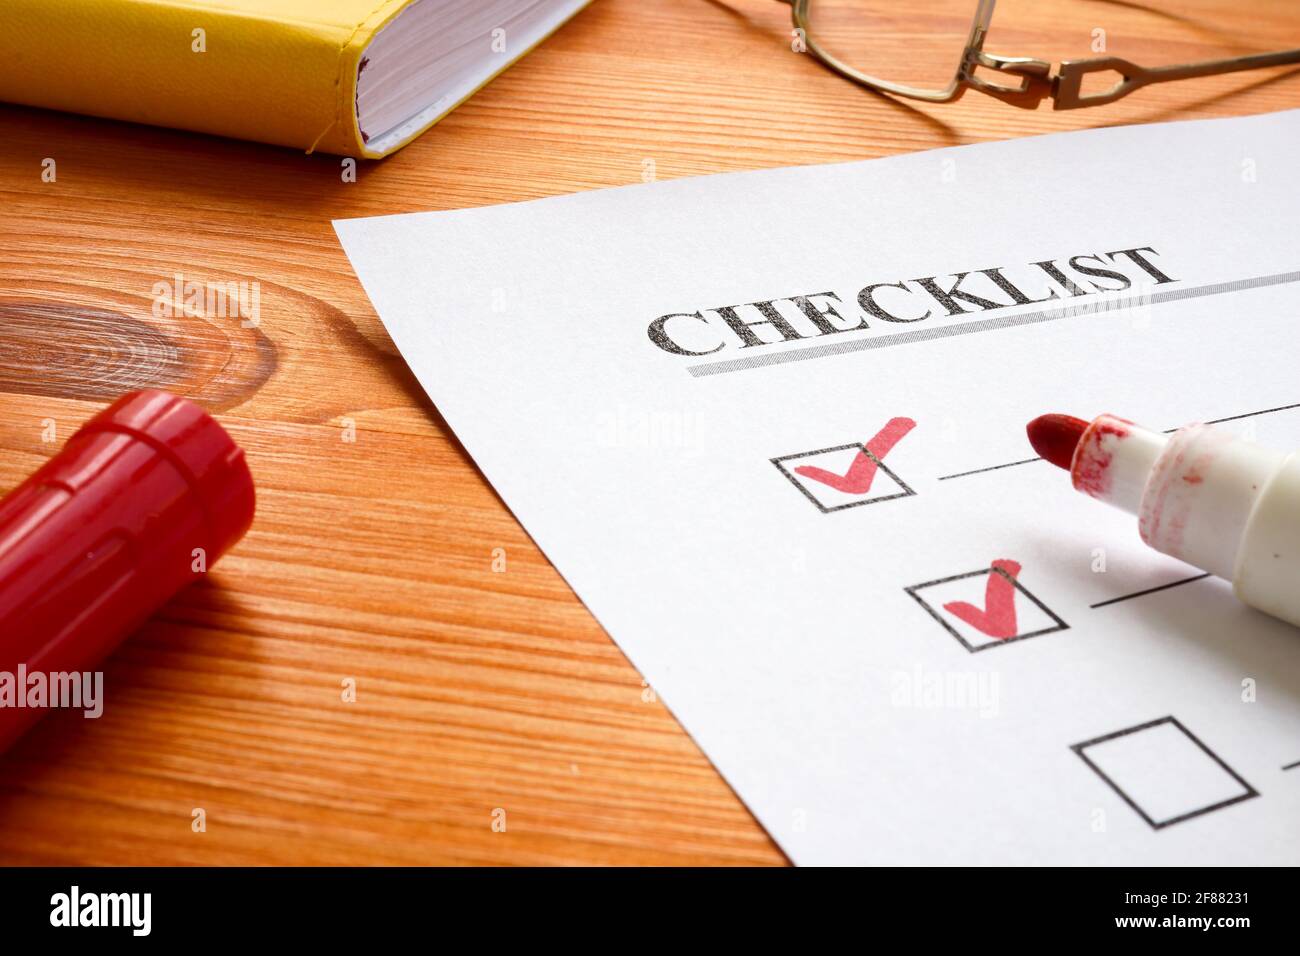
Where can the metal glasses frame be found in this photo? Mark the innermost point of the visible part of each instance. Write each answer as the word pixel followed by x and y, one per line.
pixel 1036 78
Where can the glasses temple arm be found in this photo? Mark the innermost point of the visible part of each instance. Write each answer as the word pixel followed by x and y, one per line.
pixel 1037 81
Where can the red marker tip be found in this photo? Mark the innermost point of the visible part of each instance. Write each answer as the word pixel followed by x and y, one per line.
pixel 1055 437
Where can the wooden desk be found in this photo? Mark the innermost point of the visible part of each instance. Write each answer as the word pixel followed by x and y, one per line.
pixel 372 560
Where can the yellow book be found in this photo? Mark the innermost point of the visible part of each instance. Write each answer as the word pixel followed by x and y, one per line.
pixel 351 77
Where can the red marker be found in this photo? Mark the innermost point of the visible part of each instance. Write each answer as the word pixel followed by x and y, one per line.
pixel 1201 495
pixel 140 502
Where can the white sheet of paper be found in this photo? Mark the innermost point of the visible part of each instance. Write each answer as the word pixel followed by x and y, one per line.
pixel 804 633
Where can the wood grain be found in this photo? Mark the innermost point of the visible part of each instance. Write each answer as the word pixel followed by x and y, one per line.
pixel 372 559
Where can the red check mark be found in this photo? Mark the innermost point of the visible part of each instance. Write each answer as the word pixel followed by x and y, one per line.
pixel 857 480
pixel 998 616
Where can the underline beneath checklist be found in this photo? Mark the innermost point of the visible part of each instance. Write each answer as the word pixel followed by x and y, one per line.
pixel 724 366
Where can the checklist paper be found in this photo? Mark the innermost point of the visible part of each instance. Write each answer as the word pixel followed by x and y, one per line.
pixel 770 427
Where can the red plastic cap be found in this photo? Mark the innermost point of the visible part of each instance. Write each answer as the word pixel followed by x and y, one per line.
pixel 139 503
pixel 202 451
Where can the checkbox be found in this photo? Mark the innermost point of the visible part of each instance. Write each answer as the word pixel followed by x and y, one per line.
pixel 1164 772
pixel 986 608
pixel 850 475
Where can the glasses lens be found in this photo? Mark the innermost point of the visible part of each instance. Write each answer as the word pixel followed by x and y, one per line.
pixel 917 45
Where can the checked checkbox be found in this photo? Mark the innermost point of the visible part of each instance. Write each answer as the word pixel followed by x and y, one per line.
pixel 846 476
pixel 986 608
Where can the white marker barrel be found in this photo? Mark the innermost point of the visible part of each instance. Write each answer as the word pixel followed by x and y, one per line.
pixel 1113 459
pixel 1205 497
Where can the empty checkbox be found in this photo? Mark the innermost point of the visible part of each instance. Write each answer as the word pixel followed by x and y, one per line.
pixel 1164 772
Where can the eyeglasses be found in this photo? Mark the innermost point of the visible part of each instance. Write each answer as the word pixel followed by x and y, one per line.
pixel 943 55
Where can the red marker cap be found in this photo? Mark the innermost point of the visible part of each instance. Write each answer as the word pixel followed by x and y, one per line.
pixel 141 501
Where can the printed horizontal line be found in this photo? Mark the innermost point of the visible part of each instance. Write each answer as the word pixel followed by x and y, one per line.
pixel 1161 587
pixel 980 471
pixel 982 325
pixel 1212 421
pixel 1235 418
